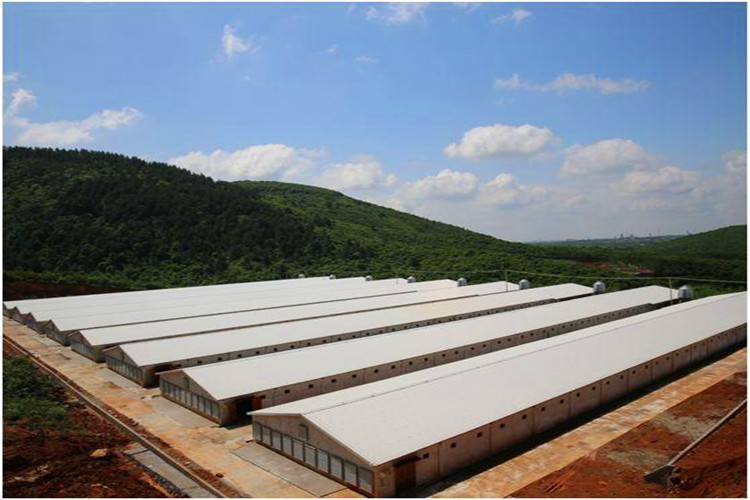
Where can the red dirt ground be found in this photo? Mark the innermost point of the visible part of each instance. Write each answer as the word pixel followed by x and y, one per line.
pixel 716 468
pixel 58 463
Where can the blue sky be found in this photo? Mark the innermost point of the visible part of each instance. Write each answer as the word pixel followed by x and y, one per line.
pixel 525 121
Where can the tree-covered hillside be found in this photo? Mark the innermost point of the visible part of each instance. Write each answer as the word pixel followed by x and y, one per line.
pixel 105 219
pixel 102 218
pixel 725 243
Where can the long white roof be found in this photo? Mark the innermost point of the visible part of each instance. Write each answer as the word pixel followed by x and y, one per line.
pixel 180 348
pixel 248 297
pixel 391 418
pixel 172 328
pixel 211 307
pixel 145 300
pixel 257 374
pixel 82 300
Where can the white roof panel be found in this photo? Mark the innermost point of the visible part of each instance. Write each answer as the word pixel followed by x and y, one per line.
pixel 196 295
pixel 398 416
pixel 257 374
pixel 176 349
pixel 139 295
pixel 221 306
pixel 172 328
pixel 248 297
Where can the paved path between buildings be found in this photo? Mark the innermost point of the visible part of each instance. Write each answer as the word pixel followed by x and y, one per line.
pixel 202 441
pixel 299 475
pixel 521 470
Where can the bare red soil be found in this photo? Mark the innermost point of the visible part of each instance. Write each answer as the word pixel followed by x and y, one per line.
pixel 59 463
pixel 716 468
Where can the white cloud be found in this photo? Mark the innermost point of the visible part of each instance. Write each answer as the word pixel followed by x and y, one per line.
pixel 467 6
pixel 512 83
pixel 362 174
pixel 447 184
pixel 604 157
pixel 735 161
pixel 397 13
pixel 501 140
pixel 366 60
pixel 265 162
pixel 232 44
pixel 665 179
pixel 332 49
pixel 20 98
pixel 63 132
pixel 505 191
pixel 516 16
pixel 68 133
pixel 11 77
pixel 572 82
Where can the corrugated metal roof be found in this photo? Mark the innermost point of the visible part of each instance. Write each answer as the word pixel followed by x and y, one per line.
pixel 247 296
pixel 103 298
pixel 222 307
pixel 99 304
pixel 172 328
pixel 176 349
pixel 388 419
pixel 257 374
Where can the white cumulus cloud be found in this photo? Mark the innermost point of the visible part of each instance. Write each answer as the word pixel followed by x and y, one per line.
pixel 665 179
pixel 569 82
pixel 397 13
pixel 63 132
pixel 516 16
pixel 505 191
pixel 605 156
pixel 364 173
pixel 232 43
pixel 735 161
pixel 366 60
pixel 446 184
pixel 264 162
pixel 501 140
pixel 12 77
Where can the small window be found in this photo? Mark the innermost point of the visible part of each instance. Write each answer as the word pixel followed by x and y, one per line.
pixel 480 434
pixel 502 426
pixel 523 417
pixel 411 363
pixel 263 396
pixel 303 432
pixel 593 388
pixel 275 349
pixel 578 394
pixel 354 375
pixel 286 391
pixel 393 367
pixel 562 401
pixel 544 408
pixel 239 355
pixel 333 381
pixel 220 358
pixel 425 456
pixel 257 352
pixel 200 362
pixel 310 386
pixel 453 445
pixel 376 370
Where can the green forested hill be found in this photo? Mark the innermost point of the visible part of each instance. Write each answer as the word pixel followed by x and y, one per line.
pixel 100 218
pixel 103 218
pixel 725 243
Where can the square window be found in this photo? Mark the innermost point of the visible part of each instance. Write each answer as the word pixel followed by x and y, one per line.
pixel 425 456
pixel 480 434
pixel 453 445
pixel 502 426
